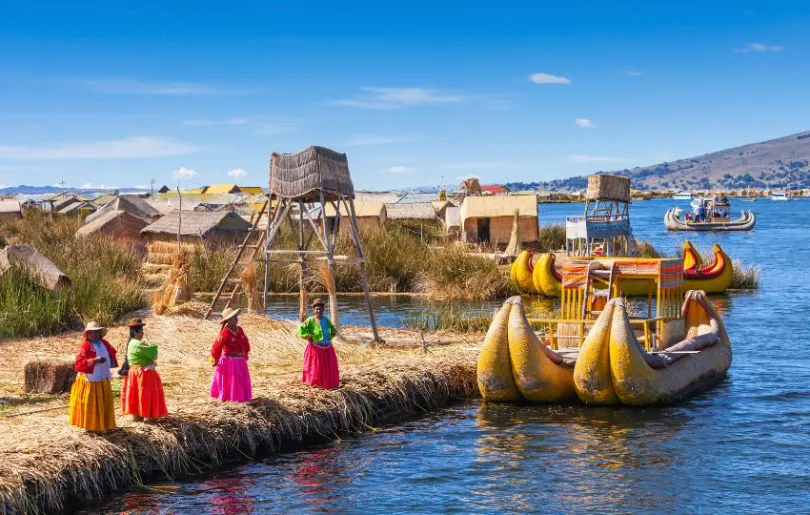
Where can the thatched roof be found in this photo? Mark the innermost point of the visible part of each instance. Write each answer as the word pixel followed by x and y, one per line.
pixel 11 205
pixel 493 206
pixel 386 197
pixel 77 204
pixel 303 174
pixel 608 187
pixel 38 267
pixel 361 209
pixel 414 211
pixel 113 223
pixel 196 223
pixel 132 204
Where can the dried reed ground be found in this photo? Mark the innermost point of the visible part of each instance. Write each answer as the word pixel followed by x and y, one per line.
pixel 48 465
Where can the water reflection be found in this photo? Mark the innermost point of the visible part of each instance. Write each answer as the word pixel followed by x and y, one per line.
pixel 231 495
pixel 318 474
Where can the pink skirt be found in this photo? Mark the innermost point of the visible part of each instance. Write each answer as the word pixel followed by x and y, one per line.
pixel 231 380
pixel 321 367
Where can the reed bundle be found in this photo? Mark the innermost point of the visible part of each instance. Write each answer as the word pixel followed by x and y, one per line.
pixel 250 285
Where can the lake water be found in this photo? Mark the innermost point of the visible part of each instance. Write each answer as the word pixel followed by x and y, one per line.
pixel 742 447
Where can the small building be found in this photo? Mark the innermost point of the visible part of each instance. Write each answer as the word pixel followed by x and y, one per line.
pixel 164 189
pixel 117 224
pixel 221 189
pixel 440 207
pixel 452 218
pixel 369 214
pixel 211 228
pixel 132 204
pixel 412 214
pixel 251 190
pixel 10 209
pixel 494 189
pixel 79 208
pixel 489 218
pixel 386 197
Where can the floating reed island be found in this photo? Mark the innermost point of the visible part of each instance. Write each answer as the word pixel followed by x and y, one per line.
pixel 49 466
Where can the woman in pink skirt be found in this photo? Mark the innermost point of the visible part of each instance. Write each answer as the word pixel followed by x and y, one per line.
pixel 229 356
pixel 320 360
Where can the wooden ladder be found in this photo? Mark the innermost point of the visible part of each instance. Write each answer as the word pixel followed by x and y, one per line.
pixel 229 278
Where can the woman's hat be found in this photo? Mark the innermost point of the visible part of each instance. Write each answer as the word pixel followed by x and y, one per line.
pixel 93 326
pixel 135 322
pixel 317 302
pixel 229 313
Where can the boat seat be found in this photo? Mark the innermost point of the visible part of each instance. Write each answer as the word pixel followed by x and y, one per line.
pixel 569 355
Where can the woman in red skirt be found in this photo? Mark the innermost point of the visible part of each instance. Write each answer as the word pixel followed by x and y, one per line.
pixel 320 360
pixel 142 392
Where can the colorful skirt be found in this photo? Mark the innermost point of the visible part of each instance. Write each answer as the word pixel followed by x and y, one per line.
pixel 321 367
pixel 231 380
pixel 91 404
pixel 142 394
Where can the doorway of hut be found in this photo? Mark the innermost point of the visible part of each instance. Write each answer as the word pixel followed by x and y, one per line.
pixel 483 230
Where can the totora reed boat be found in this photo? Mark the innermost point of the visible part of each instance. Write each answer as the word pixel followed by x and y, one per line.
pixel 599 349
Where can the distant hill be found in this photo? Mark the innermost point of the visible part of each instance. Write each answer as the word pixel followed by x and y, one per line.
pixel 42 190
pixel 776 163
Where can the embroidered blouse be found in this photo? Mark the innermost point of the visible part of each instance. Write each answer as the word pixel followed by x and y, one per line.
pixel 230 343
pixel 86 355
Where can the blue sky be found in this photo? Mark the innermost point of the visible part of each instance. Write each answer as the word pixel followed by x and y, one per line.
pixel 118 93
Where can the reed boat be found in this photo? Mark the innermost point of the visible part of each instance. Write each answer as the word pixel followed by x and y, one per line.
pixel 614 368
pixel 746 222
pixel 521 270
pixel 515 365
pixel 545 277
pixel 713 278
pixel 678 347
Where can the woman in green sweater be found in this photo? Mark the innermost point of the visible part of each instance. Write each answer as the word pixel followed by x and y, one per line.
pixel 320 360
pixel 142 392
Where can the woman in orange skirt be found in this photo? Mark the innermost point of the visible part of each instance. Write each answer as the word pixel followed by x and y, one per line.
pixel 91 397
pixel 142 393
pixel 320 359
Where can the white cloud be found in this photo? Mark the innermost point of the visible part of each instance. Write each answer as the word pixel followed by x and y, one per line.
pixel 127 148
pixel 375 139
pixel 758 47
pixel 393 98
pixel 634 73
pixel 584 123
pixel 400 169
pixel 137 87
pixel 91 186
pixel 472 165
pixel 596 159
pixel 545 78
pixel 237 173
pixel 3 186
pixel 184 173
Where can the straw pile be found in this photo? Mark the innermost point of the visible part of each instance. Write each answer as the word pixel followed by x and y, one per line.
pixel 48 376
pixel 250 285
pixel 608 187
pixel 176 289
pixel 56 466
pixel 162 253
pixel 514 248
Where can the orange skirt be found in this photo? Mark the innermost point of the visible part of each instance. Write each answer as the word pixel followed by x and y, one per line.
pixel 142 394
pixel 91 404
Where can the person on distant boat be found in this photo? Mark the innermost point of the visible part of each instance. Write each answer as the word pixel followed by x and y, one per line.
pixel 597 251
pixel 142 393
pixel 701 213
pixel 320 359
pixel 229 356
pixel 91 397
pixel 688 217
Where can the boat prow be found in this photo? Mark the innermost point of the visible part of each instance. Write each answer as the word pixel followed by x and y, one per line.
pixel 613 368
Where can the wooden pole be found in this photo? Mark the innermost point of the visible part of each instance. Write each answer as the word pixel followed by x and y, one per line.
pixel 302 264
pixel 266 256
pixel 179 218
pixel 330 267
pixel 363 276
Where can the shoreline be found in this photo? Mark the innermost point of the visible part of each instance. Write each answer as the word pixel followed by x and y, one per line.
pixel 55 467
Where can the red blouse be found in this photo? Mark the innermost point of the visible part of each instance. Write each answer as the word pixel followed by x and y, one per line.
pixel 86 355
pixel 231 344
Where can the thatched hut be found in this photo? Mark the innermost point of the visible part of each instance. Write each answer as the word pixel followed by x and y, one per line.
pixel 440 207
pixel 209 228
pixel 117 224
pixel 131 204
pixel 79 208
pixel 10 209
pixel 412 213
pixel 490 218
pixel 370 215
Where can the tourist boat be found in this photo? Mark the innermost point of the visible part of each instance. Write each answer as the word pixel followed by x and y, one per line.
pixel 682 195
pixel 544 278
pixel 600 351
pixel 779 195
pixel 749 196
pixel 716 217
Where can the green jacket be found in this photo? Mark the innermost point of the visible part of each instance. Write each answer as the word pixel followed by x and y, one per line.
pixel 140 354
pixel 311 328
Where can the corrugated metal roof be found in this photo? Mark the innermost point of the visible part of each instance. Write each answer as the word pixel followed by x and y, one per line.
pixel 361 209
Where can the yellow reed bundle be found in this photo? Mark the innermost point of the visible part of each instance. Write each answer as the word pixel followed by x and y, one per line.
pixel 249 280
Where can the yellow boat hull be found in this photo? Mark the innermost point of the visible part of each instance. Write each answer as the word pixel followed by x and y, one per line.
pixel 716 278
pixel 521 272
pixel 612 369
pixel 514 364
